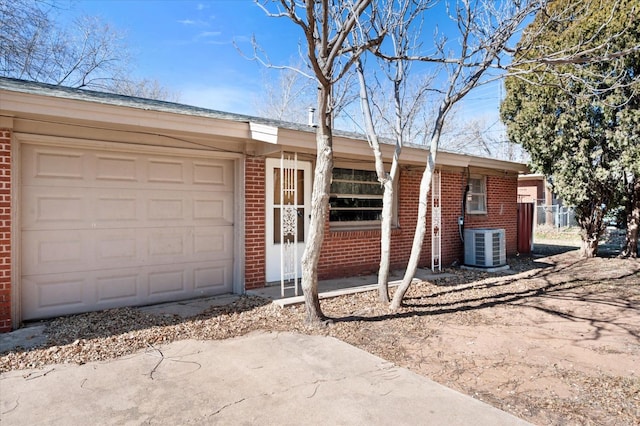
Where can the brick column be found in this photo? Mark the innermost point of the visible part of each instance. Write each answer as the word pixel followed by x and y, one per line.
pixel 254 270
pixel 5 230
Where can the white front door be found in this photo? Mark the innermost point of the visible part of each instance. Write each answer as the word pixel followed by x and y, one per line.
pixel 273 213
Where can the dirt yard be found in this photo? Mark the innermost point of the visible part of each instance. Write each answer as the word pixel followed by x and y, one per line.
pixel 558 344
pixel 554 340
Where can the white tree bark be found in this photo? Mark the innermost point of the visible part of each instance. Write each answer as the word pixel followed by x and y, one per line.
pixel 421 224
pixel 319 209
pixel 386 180
pixel 329 29
pixel 484 34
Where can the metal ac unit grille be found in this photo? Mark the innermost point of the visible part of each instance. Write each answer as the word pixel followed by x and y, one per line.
pixel 484 247
pixel 497 252
pixel 480 255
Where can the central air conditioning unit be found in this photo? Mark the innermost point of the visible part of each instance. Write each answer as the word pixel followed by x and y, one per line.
pixel 485 248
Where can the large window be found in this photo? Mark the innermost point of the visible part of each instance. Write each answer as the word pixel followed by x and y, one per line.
pixel 356 197
pixel 477 195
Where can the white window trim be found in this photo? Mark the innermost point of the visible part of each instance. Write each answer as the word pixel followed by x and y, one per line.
pixel 482 194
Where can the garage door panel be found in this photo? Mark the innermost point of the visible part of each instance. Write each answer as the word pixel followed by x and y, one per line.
pixel 59 293
pixel 213 173
pixel 57 166
pixel 44 164
pixel 217 210
pixel 118 288
pixel 71 293
pixel 169 282
pixel 77 208
pixel 74 208
pixel 214 242
pixel 122 209
pixel 75 292
pixel 167 245
pixel 52 251
pixel 51 208
pixel 165 207
pixel 213 276
pixel 54 295
pixel 166 171
pixel 116 249
pixel 104 229
pixel 117 168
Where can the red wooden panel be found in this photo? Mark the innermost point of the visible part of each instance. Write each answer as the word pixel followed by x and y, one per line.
pixel 525 227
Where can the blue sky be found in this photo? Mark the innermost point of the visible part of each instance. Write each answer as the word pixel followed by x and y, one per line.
pixel 188 46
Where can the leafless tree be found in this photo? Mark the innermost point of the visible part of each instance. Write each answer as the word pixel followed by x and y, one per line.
pixel 485 29
pixel 598 47
pixel 398 118
pixel 86 54
pixel 416 95
pixel 468 135
pixel 290 96
pixel 287 97
pixel 145 88
pixel 328 28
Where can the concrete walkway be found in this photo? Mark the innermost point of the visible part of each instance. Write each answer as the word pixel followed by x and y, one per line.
pixel 340 286
pixel 262 378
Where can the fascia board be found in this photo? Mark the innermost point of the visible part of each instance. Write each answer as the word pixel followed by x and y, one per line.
pixel 490 163
pixel 20 104
pixel 532 177
pixel 353 148
pixel 296 139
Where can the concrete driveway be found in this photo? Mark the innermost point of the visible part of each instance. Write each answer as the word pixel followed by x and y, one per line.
pixel 262 378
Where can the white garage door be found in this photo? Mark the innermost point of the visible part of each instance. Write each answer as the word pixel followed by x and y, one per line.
pixel 103 229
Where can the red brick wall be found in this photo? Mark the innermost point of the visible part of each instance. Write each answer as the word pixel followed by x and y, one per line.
pixel 502 210
pixel 358 252
pixel 453 186
pixel 5 230
pixel 350 253
pixel 254 269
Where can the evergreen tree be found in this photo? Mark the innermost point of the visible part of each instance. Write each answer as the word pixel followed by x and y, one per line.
pixel 578 118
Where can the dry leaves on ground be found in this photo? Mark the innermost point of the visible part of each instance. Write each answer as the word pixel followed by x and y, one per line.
pixel 553 340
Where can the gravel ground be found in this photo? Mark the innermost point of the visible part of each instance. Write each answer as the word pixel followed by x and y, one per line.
pixel 554 340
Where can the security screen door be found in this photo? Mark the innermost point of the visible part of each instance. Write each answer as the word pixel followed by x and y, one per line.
pixel 288 188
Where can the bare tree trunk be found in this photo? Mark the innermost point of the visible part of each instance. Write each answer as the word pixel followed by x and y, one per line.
pixel 386 181
pixel 630 248
pixel 591 230
pixel 421 224
pixel 385 242
pixel 548 205
pixel 589 247
pixel 319 209
pixel 418 236
pixel 329 28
